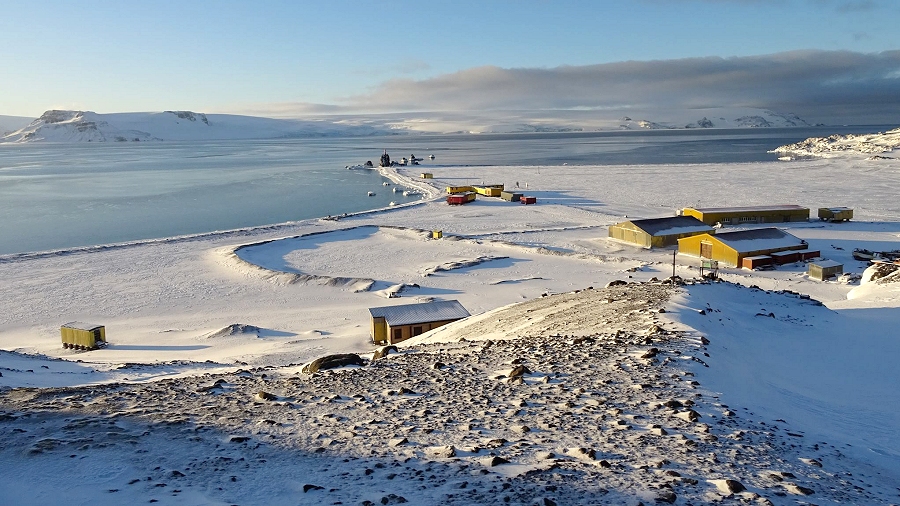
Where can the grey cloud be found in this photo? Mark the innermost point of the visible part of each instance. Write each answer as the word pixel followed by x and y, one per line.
pixel 817 84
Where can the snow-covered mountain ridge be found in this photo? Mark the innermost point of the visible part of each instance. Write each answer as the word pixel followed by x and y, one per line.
pixel 882 142
pixel 88 126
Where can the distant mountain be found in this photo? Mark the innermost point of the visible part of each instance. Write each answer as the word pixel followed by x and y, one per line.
pixel 87 126
pixel 581 120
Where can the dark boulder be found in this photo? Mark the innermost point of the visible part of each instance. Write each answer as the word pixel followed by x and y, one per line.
pixel 333 361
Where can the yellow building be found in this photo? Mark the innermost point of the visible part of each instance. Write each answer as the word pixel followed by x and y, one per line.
pixel 82 336
pixel 459 189
pixel 658 232
pixel 732 247
pixel 491 190
pixel 392 324
pixel 748 215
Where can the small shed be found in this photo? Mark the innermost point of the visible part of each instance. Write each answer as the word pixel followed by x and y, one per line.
pixel 733 247
pixel 459 189
pixel 82 336
pixel 427 175
pixel 835 213
pixel 528 200
pixel 658 232
pixel 748 214
pixel 755 262
pixel 392 324
pixel 511 196
pixel 824 269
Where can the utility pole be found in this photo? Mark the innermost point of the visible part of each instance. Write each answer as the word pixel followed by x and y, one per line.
pixel 674 252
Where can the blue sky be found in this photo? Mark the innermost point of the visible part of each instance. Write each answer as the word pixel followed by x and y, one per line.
pixel 290 57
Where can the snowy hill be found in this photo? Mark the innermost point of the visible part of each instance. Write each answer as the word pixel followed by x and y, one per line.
pixel 87 126
pixel 882 142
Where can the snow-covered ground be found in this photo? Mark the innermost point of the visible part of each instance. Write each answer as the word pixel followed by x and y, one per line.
pixel 800 402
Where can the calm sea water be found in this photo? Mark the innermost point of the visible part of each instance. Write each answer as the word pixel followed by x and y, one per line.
pixel 68 195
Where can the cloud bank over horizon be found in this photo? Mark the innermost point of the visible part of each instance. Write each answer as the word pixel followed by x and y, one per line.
pixel 821 86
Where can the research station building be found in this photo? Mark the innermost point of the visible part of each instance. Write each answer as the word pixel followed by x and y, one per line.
pixel 658 232
pixel 749 214
pixel 732 247
pixel 392 324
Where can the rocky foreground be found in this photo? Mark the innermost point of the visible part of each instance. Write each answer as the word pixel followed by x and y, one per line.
pixel 606 411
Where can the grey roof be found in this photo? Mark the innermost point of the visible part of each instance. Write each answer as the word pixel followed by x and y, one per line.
pixel 828 263
pixel 82 326
pixel 758 239
pixel 672 225
pixel 750 209
pixel 408 314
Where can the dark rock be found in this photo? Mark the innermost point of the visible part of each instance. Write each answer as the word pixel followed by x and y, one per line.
pixel 729 486
pixel 238 439
pixel 383 352
pixel 519 371
pixel 438 365
pixel 617 282
pixel 666 496
pixel 652 352
pixel 495 461
pixel 333 361
pixel 393 499
pixel 798 489
pixel 308 487
pixel 266 396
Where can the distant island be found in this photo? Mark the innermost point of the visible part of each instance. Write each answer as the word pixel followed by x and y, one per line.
pixel 88 126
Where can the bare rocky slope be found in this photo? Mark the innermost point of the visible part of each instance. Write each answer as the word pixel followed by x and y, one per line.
pixel 595 402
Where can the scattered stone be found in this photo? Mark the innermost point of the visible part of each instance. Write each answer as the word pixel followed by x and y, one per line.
pixel 652 352
pixel 238 439
pixel 393 443
pixel 519 371
pixel 689 415
pixel 582 453
pixel 795 489
pixel 811 462
pixel 444 452
pixel 494 461
pixel 666 496
pixel 383 352
pixel 728 486
pixel 520 429
pixel 266 396
pixel 309 486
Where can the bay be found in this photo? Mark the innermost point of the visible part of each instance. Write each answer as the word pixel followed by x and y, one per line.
pixel 58 196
